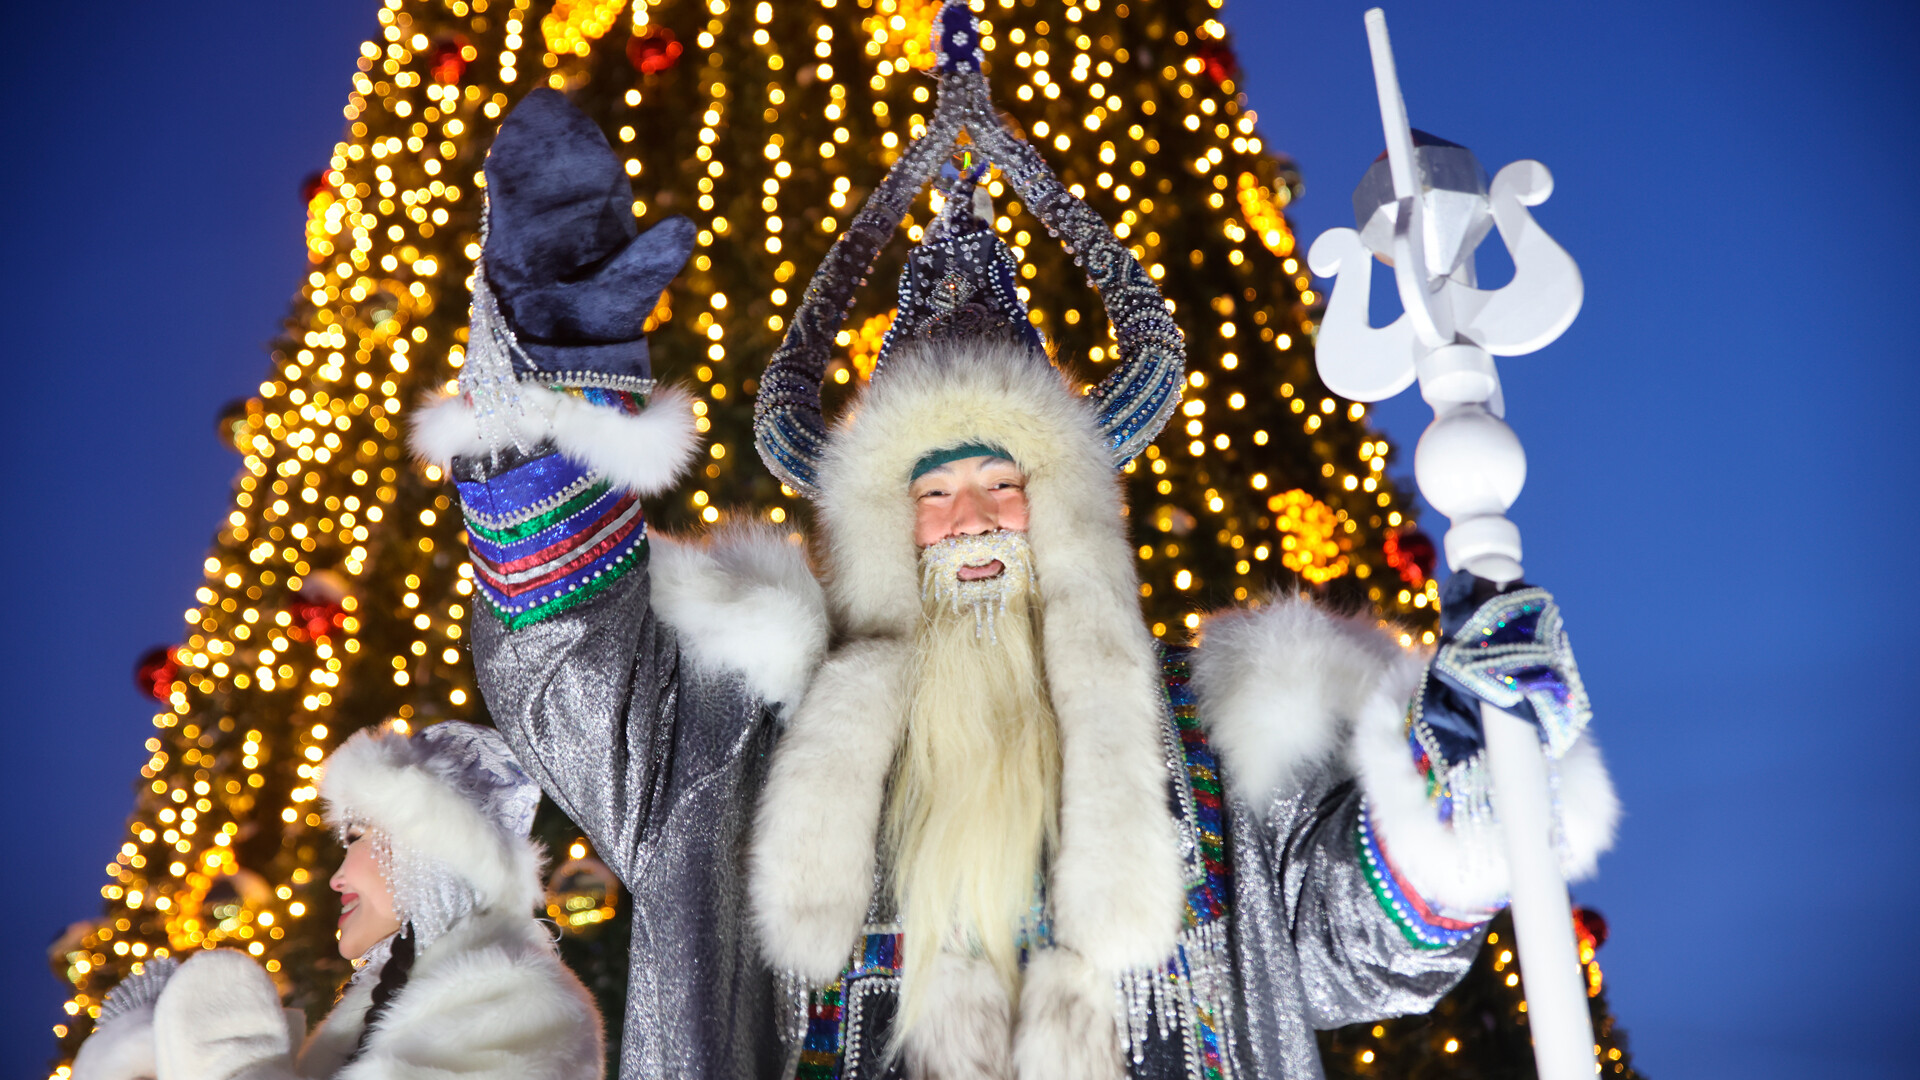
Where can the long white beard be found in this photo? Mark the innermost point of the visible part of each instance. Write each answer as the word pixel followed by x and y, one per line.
pixel 973 806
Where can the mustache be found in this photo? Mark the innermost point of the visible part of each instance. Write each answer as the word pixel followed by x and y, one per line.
pixel 944 588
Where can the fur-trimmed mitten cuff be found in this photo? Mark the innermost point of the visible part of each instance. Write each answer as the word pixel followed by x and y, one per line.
pixel 551 529
pixel 220 1019
pixel 641 446
pixel 1431 835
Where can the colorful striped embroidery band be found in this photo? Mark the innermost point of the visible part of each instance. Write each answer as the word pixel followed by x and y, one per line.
pixel 1418 922
pixel 548 535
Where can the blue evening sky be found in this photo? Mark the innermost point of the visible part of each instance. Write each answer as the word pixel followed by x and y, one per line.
pixel 1719 448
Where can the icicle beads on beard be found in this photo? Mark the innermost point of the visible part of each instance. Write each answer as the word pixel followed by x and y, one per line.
pixel 942 561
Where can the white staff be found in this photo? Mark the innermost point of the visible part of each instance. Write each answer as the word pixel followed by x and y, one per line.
pixel 1424 215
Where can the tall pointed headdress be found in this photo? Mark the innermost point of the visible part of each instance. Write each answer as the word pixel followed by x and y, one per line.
pixel 956 279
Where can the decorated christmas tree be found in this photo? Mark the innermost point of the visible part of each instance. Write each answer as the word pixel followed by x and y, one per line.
pixel 337 589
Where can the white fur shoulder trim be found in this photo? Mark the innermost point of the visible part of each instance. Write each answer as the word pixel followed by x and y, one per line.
pixel 645 453
pixel 1463 866
pixel 1281 686
pixel 744 602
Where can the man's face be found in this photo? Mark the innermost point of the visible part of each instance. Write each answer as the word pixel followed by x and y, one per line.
pixel 969 497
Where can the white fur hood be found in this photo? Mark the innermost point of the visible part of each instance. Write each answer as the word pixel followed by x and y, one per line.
pixel 1115 882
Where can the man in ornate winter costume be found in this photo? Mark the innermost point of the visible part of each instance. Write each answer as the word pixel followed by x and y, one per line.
pixel 957 814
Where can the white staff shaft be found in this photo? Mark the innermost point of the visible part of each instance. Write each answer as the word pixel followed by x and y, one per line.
pixel 1470 467
pixel 1542 917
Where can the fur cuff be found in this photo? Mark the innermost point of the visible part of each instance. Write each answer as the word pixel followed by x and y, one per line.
pixel 1067 1029
pixel 964 1025
pixel 645 453
pixel 1463 866
pixel 744 602
pixel 1280 687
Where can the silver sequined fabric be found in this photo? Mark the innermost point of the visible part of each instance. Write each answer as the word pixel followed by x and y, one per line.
pixel 662 766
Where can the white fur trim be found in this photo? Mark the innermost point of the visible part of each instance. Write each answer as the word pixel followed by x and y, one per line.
pixel 645 453
pixel 378 777
pixel 121 1049
pixel 811 868
pixel 1279 688
pixel 1115 883
pixel 744 602
pixel 1067 1029
pixel 965 1029
pixel 219 1018
pixel 1589 808
pixel 1466 870
pixel 333 1042
pixel 490 1001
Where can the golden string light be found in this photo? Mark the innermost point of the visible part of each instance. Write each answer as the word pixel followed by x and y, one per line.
pixel 1312 543
pixel 574 25
pixel 863 343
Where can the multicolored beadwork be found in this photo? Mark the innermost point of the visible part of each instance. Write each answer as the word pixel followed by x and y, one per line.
pixel 1206 896
pixel 821 1055
pixel 1514 653
pixel 548 534
pixel 1422 926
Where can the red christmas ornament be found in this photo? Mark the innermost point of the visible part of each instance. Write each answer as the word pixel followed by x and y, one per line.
pixel 155 671
pixel 1411 553
pixel 314 184
pixel 1590 925
pixel 1218 57
pixel 317 617
pixel 654 51
pixel 449 60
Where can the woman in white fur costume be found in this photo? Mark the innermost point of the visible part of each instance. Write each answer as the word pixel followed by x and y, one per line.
pixel 455 978
pixel 956 815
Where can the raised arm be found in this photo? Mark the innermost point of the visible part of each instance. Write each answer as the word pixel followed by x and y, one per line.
pixel 607 656
pixel 557 434
pixel 570 658
pixel 1383 874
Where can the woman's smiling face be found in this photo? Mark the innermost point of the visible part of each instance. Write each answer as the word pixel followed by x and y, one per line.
pixel 366 904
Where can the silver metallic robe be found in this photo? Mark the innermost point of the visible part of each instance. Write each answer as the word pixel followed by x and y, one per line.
pixel 661 765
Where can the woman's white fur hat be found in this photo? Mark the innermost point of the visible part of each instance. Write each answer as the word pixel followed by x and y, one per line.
pixel 452 805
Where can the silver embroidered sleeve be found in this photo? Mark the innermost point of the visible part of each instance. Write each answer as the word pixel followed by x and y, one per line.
pixel 660 767
pixel 1309 909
